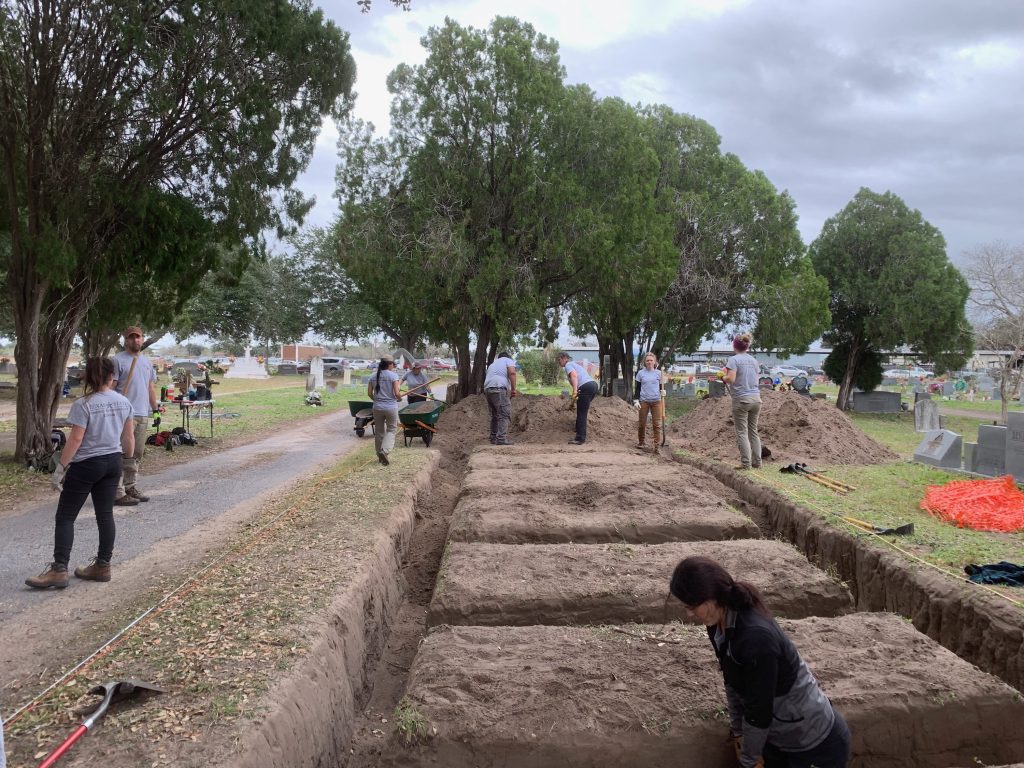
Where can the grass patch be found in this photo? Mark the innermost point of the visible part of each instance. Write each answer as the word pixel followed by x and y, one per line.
pixel 410 721
pixel 889 495
pixel 896 430
pixel 541 389
pixel 676 407
pixel 218 648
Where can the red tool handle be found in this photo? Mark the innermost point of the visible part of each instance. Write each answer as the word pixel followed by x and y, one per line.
pixel 58 753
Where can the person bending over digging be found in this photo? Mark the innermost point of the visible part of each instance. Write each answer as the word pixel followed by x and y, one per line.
pixel 383 390
pixel 102 433
pixel 584 389
pixel 778 715
pixel 648 393
pixel 741 372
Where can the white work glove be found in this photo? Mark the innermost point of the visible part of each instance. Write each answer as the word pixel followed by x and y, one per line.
pixel 636 404
pixel 57 478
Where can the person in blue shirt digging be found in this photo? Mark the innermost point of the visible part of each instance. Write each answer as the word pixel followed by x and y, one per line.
pixel 584 390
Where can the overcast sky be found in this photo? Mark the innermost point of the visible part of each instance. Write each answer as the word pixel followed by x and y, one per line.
pixel 924 98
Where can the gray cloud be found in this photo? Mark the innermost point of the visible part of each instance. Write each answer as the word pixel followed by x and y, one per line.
pixel 921 97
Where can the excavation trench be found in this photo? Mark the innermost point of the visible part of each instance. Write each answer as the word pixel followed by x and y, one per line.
pixel 530 566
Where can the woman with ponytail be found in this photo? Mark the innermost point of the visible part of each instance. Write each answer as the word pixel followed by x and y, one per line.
pixel 778 715
pixel 383 390
pixel 102 433
pixel 741 377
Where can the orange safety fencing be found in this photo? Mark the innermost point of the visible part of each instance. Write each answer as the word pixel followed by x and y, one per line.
pixel 984 505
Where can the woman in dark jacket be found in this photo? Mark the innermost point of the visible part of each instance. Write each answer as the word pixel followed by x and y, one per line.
pixel 778 715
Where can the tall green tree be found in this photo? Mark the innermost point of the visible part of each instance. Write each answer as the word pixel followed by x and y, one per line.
pixel 891 286
pixel 101 103
pixel 739 256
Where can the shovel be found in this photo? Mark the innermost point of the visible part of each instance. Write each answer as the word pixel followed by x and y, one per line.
pixel 802 469
pixel 113 693
pixel 900 530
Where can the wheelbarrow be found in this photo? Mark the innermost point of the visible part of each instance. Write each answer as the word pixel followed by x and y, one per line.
pixel 362 412
pixel 419 420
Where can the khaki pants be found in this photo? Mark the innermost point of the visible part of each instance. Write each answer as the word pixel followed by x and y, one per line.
pixel 133 462
pixel 657 411
pixel 385 427
pixel 745 414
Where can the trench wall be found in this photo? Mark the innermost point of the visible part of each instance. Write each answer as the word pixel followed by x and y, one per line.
pixel 977 626
pixel 313 709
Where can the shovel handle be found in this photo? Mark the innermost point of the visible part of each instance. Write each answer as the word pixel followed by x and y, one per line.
pixel 58 753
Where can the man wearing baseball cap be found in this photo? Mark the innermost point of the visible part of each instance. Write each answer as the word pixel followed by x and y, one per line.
pixel 135 378
pixel 416 379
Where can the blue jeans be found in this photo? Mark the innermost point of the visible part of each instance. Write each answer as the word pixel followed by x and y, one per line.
pixel 584 395
pixel 99 477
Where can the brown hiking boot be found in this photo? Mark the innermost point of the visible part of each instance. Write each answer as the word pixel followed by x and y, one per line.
pixel 125 501
pixel 135 493
pixel 97 570
pixel 55 576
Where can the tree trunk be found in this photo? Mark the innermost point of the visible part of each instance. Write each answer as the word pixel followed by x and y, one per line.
pixel 462 363
pixel 846 385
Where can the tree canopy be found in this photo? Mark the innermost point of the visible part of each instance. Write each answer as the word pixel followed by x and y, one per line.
pixel 891 286
pixel 109 111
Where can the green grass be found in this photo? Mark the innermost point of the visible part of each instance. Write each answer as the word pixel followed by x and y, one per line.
pixel 890 495
pixel 541 389
pixel 896 430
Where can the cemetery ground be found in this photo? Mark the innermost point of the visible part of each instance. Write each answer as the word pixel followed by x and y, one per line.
pixel 400 616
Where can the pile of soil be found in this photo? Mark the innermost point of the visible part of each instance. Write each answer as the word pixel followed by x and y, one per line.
pixel 794 427
pixel 537 419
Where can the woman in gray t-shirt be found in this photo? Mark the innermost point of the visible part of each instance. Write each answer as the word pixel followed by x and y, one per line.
pixel 102 431
pixel 383 389
pixel 741 377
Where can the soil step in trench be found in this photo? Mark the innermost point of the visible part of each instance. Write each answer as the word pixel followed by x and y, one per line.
pixel 502 584
pixel 585 513
pixel 597 697
pixel 528 458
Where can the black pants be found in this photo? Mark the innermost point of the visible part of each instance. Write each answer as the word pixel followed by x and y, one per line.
pixel 415 398
pixel 584 395
pixel 97 476
pixel 833 752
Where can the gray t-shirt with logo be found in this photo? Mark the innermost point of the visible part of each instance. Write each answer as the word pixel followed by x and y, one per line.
pixel 745 385
pixel 413 380
pixel 102 415
pixel 138 387
pixel 384 397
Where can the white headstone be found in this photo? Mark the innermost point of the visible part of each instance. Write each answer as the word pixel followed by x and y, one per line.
pixel 246 368
pixel 1015 445
pixel 316 370
pixel 926 416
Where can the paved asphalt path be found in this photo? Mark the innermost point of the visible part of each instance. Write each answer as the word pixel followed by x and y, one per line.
pixel 181 497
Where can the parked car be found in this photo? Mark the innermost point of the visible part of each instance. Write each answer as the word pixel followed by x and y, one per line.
pixel 439 364
pixel 688 369
pixel 906 373
pixel 787 371
pixel 334 365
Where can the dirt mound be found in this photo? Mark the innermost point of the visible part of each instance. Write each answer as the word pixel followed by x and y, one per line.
pixel 794 427
pixel 536 419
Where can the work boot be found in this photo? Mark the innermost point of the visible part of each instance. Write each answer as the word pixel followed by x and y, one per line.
pixel 55 575
pixel 97 570
pixel 135 493
pixel 506 441
pixel 383 458
pixel 125 501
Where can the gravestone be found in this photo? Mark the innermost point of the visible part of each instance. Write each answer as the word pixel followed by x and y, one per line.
pixel 287 369
pixel 716 388
pixel 948 389
pixel 990 455
pixel 247 367
pixel 876 402
pixel 766 382
pixel 620 389
pixel 940 448
pixel 926 416
pixel 1014 464
pixel 316 370
pixel 332 385
pixel 689 389
pixel 997 393
pixel 970 456
pixel 346 377
pixel 919 396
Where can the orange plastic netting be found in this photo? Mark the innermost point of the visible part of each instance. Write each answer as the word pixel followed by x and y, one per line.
pixel 985 505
